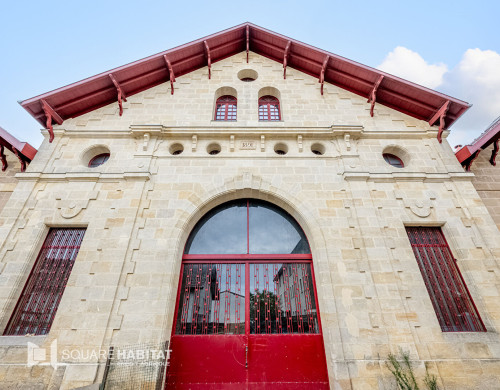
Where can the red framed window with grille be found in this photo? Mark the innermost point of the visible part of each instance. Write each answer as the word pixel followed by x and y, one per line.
pixel 225 108
pixel 273 291
pixel 37 306
pixel 247 302
pixel 450 297
pixel 269 109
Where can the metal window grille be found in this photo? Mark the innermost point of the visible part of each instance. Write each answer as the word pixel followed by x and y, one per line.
pixel 225 108
pixel 452 302
pixel 269 109
pixel 42 293
pixel 214 298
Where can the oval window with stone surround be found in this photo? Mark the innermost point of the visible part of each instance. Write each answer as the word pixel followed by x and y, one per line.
pixel 393 160
pixel 98 160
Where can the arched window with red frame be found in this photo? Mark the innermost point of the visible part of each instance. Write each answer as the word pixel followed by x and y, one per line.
pixel 247 307
pixel 269 108
pixel 225 108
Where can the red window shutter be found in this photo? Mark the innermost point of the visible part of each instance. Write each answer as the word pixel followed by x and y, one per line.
pixel 37 306
pixel 450 297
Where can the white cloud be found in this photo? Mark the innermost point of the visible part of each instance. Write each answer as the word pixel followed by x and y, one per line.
pixel 410 65
pixel 476 80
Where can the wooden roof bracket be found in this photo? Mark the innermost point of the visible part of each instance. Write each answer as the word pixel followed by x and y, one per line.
pixel 285 58
pixel 441 115
pixel 322 74
pixel 494 152
pixel 50 114
pixel 209 59
pixel 3 158
pixel 248 41
pixel 171 74
pixel 18 155
pixel 468 163
pixel 372 97
pixel 119 90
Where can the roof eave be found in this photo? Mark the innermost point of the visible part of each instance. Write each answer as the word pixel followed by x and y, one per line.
pixel 97 91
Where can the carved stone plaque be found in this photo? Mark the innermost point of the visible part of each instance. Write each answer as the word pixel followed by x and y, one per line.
pixel 248 145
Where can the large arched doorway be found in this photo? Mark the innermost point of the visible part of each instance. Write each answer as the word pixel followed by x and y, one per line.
pixel 247 313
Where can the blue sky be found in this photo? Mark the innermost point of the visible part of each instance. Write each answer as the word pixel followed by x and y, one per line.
pixel 450 46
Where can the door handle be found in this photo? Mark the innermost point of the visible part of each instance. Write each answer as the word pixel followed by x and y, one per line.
pixel 246 356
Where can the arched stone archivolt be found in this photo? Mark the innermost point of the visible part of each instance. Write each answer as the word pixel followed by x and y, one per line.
pixel 249 186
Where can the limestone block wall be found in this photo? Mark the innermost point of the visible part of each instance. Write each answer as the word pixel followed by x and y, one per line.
pixel 193 102
pixel 140 206
pixel 7 178
pixel 487 183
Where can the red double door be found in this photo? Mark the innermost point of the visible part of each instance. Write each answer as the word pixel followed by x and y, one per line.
pixel 247 323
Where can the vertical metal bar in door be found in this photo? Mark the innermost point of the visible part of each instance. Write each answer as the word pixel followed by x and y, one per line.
pixel 288 302
pixel 247 298
pixel 196 300
pixel 298 299
pixel 227 300
pixel 267 303
pixel 256 298
pixel 313 279
pixel 307 294
pixel 248 227
pixel 215 325
pixel 277 303
pixel 206 299
pixel 237 298
pixel 185 301
pixel 247 317
pixel 247 294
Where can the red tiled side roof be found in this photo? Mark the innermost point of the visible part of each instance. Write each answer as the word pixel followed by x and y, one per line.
pixel 23 150
pixel 9 141
pixel 97 91
pixel 467 154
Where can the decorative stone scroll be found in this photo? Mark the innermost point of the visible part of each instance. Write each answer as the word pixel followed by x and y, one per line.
pixel 70 209
pixel 420 207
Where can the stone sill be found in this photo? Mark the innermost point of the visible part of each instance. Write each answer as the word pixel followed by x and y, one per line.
pixel 21 341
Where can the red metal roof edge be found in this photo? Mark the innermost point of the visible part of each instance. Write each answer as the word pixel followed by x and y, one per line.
pixel 484 140
pixel 24 148
pixel 360 65
pixel 459 106
pixel 126 66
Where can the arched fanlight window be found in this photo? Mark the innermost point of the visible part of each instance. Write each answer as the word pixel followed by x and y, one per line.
pixel 225 108
pixel 269 108
pixel 247 227
pixel 246 270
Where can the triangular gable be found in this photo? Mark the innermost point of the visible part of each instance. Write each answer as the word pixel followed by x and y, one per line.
pixel 115 85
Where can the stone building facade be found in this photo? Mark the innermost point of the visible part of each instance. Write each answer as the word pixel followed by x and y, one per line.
pixel 480 158
pixel 8 182
pixel 14 157
pixel 140 206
